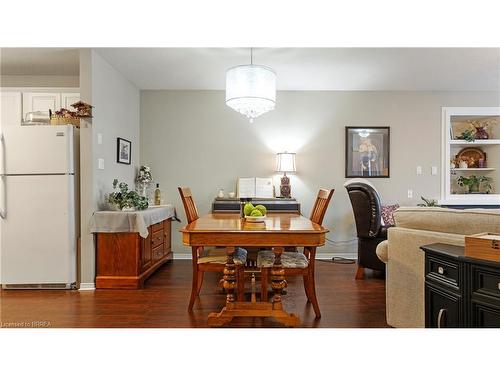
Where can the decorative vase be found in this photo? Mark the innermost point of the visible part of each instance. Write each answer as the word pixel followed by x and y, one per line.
pixel 481 133
pixel 221 193
pixel 128 209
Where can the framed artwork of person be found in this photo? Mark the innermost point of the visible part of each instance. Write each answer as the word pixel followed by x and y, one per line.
pixel 367 151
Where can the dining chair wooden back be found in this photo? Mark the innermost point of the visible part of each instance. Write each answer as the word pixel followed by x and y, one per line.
pixel 296 263
pixel 322 200
pixel 188 202
pixel 209 259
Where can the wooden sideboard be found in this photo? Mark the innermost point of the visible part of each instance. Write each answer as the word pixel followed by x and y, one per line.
pixel 232 205
pixel 126 260
pixel 460 291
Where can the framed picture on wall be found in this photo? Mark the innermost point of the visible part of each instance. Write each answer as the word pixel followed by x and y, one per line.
pixel 367 151
pixel 123 151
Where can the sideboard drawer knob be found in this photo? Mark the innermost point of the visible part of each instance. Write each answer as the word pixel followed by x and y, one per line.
pixel 441 270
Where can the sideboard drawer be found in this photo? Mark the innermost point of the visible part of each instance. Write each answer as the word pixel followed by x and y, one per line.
pixel 157 238
pixel 446 271
pixel 158 253
pixel 485 281
pixel 157 226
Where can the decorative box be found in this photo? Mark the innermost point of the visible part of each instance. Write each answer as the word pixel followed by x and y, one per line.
pixel 484 246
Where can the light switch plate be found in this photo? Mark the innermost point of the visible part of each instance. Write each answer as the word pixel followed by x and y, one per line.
pixel 410 193
pixel 419 170
pixel 99 138
pixel 100 163
pixel 434 170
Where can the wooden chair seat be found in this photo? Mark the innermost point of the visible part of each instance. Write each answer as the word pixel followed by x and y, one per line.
pixel 265 259
pixel 209 259
pixel 217 255
pixel 295 263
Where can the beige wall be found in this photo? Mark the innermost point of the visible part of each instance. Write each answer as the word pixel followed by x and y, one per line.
pixel 116 114
pixel 191 138
pixel 38 81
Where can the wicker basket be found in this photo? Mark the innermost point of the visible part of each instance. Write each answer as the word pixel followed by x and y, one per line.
pixel 65 121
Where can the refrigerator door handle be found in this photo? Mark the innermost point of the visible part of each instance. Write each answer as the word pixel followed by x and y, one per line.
pixel 2 141
pixel 3 210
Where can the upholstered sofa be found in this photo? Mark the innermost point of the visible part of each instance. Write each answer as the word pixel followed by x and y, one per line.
pixel 417 226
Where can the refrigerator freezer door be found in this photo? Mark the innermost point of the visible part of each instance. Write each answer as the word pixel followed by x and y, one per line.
pixel 38 238
pixel 37 149
pixel 10 109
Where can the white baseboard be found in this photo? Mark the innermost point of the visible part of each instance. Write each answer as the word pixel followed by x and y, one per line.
pixel 86 287
pixel 329 255
pixel 182 256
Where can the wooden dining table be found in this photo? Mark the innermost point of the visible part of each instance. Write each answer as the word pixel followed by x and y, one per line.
pixel 277 231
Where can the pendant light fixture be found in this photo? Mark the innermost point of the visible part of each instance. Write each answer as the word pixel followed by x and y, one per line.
pixel 251 89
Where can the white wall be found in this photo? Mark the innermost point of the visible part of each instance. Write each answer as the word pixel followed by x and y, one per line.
pixel 191 138
pixel 116 113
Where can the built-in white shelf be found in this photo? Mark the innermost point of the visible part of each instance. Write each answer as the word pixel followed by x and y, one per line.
pixel 476 142
pixel 450 148
pixel 472 169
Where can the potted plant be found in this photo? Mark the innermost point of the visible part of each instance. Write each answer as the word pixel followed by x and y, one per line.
pixel 123 199
pixel 428 203
pixel 468 135
pixel 473 183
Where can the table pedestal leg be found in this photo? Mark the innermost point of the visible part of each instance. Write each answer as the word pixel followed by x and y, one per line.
pixel 253 309
pixel 230 275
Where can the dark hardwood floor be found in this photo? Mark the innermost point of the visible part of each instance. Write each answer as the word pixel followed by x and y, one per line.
pixel 163 302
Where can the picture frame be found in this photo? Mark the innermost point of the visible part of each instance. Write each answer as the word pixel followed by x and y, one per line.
pixel 367 151
pixel 123 151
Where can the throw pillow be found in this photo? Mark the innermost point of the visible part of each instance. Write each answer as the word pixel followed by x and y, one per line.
pixel 388 214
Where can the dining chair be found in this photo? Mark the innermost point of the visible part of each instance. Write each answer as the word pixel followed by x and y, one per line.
pixel 206 259
pixel 296 263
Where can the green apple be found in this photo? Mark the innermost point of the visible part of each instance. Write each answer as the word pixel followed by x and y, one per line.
pixel 248 209
pixel 262 209
pixel 256 213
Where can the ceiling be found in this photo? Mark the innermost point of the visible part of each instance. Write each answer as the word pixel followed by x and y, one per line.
pixel 314 68
pixel 40 61
pixel 437 69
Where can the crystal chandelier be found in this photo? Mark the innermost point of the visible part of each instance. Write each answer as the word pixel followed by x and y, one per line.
pixel 251 89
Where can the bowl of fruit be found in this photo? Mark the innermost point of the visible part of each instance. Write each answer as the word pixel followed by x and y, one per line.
pixel 254 214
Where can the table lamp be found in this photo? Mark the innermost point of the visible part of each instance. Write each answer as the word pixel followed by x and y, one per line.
pixel 285 162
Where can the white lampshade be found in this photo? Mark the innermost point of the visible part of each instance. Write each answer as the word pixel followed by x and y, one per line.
pixel 285 162
pixel 251 90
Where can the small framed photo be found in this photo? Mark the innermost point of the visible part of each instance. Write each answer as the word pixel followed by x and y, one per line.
pixel 367 151
pixel 123 151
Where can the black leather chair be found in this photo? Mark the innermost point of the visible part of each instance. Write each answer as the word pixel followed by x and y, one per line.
pixel 367 213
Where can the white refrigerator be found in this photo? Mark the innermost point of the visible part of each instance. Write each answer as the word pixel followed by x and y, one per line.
pixel 38 210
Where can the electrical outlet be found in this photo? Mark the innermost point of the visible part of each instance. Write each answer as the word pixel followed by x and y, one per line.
pixel 100 163
pixel 419 170
pixel 410 193
pixel 434 170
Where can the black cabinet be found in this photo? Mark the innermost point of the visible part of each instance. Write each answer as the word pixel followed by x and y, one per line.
pixel 460 291
pixel 227 205
pixel 442 308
